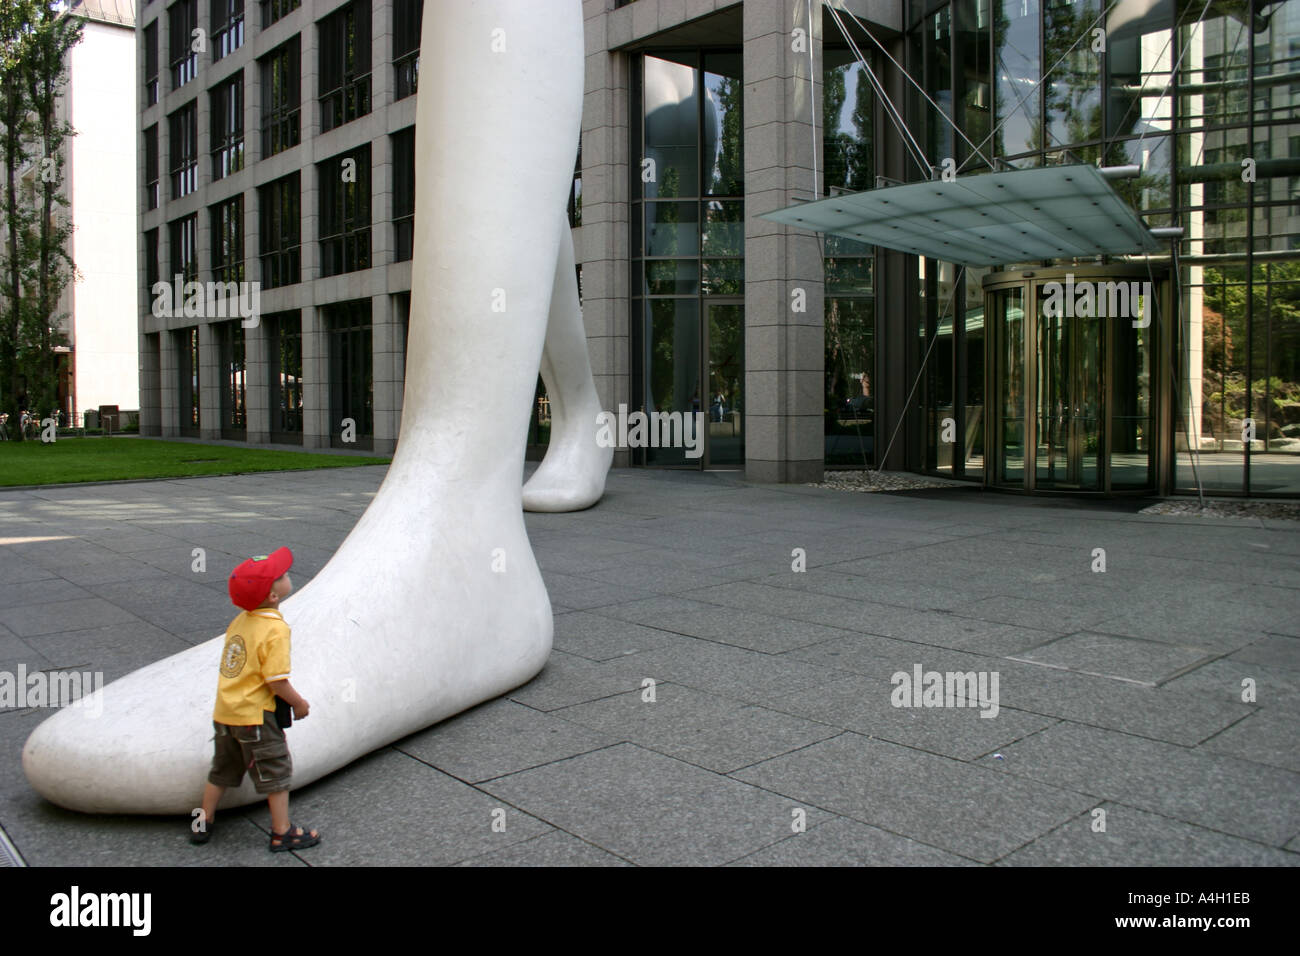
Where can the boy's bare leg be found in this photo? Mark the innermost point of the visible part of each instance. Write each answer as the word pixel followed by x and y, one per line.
pixel 278 803
pixel 211 797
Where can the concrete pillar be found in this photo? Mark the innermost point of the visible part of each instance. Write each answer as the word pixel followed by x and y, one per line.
pixel 169 379
pixel 150 384
pixel 211 381
pixel 385 350
pixel 601 242
pixel 784 324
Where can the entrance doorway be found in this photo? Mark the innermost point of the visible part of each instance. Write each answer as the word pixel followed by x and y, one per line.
pixel 689 342
pixel 1076 379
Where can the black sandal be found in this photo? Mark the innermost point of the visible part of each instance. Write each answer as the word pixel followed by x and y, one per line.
pixel 201 836
pixel 294 838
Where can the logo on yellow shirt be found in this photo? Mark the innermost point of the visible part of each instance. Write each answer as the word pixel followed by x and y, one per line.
pixel 233 657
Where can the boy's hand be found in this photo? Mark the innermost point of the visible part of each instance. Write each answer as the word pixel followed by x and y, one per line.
pixel 301 710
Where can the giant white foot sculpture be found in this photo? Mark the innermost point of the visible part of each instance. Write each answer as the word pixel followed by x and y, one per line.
pixel 434 602
pixel 572 474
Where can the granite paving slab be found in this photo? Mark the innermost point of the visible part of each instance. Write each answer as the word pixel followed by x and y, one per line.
pixel 497 738
pixel 555 848
pixel 844 842
pixel 1134 837
pixel 945 803
pixel 1218 792
pixel 866 705
pixel 708 731
pixel 427 819
pixel 650 809
pixel 1118 657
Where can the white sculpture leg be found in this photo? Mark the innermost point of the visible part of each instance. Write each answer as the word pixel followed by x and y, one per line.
pixel 572 474
pixel 434 602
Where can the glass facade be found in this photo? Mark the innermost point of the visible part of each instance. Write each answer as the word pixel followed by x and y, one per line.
pixel 687 257
pixel 848 148
pixel 1209 111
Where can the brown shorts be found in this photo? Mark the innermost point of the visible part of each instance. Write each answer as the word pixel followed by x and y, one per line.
pixel 260 750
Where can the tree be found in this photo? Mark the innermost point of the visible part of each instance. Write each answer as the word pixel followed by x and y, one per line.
pixel 35 37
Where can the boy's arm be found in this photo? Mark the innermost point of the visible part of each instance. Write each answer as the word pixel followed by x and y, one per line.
pixel 282 688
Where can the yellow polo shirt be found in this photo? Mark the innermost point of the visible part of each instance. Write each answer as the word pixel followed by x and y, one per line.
pixel 256 651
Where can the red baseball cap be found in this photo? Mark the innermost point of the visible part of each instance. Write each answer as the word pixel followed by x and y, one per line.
pixel 250 583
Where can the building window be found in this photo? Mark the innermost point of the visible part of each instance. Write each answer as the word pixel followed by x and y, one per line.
pixel 227 27
pixel 182 21
pixel 187 381
pixel 351 373
pixel 234 380
pixel 281 216
pixel 281 98
pixel 345 212
pixel 403 193
pixel 345 65
pixel 151 269
pixel 151 64
pixel 575 194
pixel 284 366
pixel 184 247
pixel 273 10
pixel 228 240
pixel 407 16
pixel 183 149
pixel 228 128
pixel 151 167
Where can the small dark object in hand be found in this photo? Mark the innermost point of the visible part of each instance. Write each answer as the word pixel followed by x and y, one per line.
pixel 283 713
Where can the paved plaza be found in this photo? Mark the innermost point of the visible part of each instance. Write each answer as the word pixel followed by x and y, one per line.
pixel 1116 732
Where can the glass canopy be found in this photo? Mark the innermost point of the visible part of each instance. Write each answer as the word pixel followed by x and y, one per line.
pixel 1022 215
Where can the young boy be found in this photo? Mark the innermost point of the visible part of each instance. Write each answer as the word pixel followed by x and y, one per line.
pixel 254 671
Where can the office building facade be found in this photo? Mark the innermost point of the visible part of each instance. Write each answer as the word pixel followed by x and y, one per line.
pixel 800 350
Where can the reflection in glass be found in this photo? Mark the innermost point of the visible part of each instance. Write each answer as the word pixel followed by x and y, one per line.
pixel 938 70
pixel 671 128
pixel 724 142
pixel 672 229
pixel 850 362
pixel 1011 384
pixel 1213 398
pixel 724 229
pixel 1073 89
pixel 672 364
pixel 726 384
pixel 1275 379
pixel 973 93
pixel 1130 420
pixel 1138 60
pixel 847 131
pixel 1018 67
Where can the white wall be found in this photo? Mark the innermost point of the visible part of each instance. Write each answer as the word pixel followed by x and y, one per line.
pixel 104 100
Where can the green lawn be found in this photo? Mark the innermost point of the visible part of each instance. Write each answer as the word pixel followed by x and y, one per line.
pixel 114 459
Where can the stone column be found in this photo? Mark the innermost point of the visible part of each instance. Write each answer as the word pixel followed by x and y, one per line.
pixel 601 242
pixel 385 346
pixel 211 381
pixel 784 324
pixel 315 380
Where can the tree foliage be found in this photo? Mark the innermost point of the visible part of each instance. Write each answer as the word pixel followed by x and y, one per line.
pixel 35 37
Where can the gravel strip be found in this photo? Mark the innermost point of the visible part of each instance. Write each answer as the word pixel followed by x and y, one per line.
pixel 1227 508
pixel 868 481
